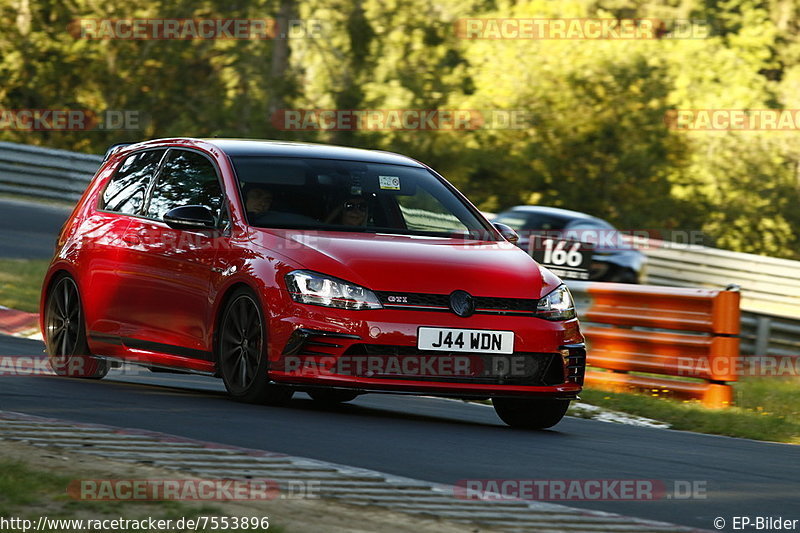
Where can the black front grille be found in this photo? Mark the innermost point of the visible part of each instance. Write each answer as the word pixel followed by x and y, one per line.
pixel 407 362
pixel 506 304
pixel 414 299
pixel 441 302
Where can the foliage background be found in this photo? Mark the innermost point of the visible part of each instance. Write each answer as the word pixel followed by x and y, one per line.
pixel 598 141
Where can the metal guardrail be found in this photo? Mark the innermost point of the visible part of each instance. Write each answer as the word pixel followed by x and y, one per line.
pixel 764 334
pixel 44 172
pixel 770 289
pixel 768 285
pixel 647 338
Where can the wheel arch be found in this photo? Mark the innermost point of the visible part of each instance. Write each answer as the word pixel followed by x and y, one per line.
pixel 222 303
pixel 53 275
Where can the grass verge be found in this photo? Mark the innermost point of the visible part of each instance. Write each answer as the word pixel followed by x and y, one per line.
pixel 766 408
pixel 21 283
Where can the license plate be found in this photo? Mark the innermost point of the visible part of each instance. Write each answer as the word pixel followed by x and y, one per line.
pixel 465 340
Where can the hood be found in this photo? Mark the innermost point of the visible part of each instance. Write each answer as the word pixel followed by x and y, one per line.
pixel 404 263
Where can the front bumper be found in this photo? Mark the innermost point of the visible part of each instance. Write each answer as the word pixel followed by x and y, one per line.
pixel 376 351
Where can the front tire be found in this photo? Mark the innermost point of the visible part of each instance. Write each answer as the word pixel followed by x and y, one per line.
pixel 65 330
pixel 524 413
pixel 242 352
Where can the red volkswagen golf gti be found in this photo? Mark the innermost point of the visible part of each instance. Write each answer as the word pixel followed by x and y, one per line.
pixel 283 267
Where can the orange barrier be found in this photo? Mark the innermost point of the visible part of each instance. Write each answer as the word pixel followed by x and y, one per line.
pixel 668 331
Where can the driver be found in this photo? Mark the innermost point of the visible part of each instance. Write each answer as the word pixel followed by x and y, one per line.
pixel 258 201
pixel 351 212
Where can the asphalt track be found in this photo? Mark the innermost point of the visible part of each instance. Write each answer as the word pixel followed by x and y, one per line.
pixel 432 439
pixel 28 230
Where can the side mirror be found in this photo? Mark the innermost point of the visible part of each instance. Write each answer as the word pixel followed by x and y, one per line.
pixel 191 217
pixel 507 232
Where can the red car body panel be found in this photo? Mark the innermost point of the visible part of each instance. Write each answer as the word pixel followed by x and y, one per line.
pixel 145 286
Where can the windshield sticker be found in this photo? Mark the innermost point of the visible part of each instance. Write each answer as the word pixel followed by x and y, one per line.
pixel 390 183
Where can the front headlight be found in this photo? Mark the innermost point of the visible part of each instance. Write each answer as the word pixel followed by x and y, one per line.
pixel 557 305
pixel 313 288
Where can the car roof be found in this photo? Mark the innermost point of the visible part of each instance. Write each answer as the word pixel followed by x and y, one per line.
pixel 552 211
pixel 261 147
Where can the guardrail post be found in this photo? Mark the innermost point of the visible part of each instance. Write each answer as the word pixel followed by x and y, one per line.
pixel 764 325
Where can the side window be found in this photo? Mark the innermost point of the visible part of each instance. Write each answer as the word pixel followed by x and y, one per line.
pixel 188 178
pixel 126 191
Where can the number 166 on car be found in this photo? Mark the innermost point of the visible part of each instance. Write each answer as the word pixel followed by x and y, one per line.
pixel 566 258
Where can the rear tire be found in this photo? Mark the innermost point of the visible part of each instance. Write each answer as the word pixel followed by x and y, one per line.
pixel 332 397
pixel 242 352
pixel 524 413
pixel 65 330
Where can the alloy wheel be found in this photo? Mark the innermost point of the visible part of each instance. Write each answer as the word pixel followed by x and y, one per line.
pixel 241 345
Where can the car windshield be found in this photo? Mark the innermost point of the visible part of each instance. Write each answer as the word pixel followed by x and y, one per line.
pixel 334 195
